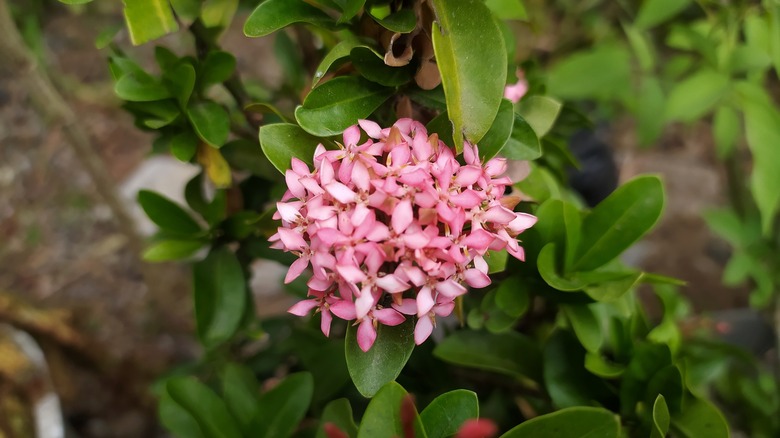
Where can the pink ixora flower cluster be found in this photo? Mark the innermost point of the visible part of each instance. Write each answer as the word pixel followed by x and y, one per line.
pixel 394 226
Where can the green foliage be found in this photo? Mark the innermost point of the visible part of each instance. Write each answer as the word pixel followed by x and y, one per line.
pixel 371 370
pixel 220 296
pixel 148 19
pixel 577 422
pixel 447 412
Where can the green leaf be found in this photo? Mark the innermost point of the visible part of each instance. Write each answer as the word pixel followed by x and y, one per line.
pixel 272 15
pixel 176 419
pixel 651 105
pixel 218 67
pixel 218 13
pixel 220 296
pixel 540 112
pixel 242 395
pixel 371 65
pixel 283 141
pixel 384 361
pixel 186 9
pixel 599 366
pixel 204 406
pixel 403 21
pixel 166 214
pixel 507 9
pixel 523 143
pixel 283 407
pixel 602 72
pixel 586 326
pixel 339 413
pixel 513 297
pixel 180 80
pixel 172 249
pixel 661 419
pixel 447 412
pixel 184 145
pixel 248 155
pixel 560 224
pixel 383 415
pixel 696 95
pixel 337 104
pixel 547 265
pixel 213 210
pixel 335 57
pixel 761 125
pixel 139 86
pixel 499 133
pixel 726 129
pixel 496 261
pixel 642 47
pixel 290 59
pixel 349 8
pixel 647 359
pixel 655 12
pixel 669 382
pixel 508 353
pixel 148 19
pixel 472 58
pixel 699 418
pixel 619 221
pixel 575 422
pixel 210 121
pixel 613 289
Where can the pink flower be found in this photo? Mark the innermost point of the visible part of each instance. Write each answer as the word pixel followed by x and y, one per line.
pixel 516 92
pixel 394 226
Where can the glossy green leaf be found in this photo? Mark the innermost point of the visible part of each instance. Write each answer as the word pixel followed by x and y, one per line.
pixel 496 261
pixel 619 221
pixel 696 95
pixel 560 224
pixel 403 21
pixel 602 72
pixel 180 80
pixel 210 121
pixel 699 418
pixel 655 12
pixel 220 296
pixel 283 141
pixel 507 9
pixel 218 67
pixel 384 361
pixel 248 155
pixel 204 406
pixel 138 86
pixel 242 395
pixel 218 13
pixel 645 362
pixel 283 407
pixel 660 426
pixel 540 112
pixel 334 58
pixel 148 19
pixel 176 419
pixel 509 353
pixel 371 65
pixel 272 15
pixel 349 8
pixel 337 104
pixel 184 145
pixel 471 57
pixel 586 326
pixel 499 133
pixel 383 415
pixel 598 365
pixel 339 413
pixel 574 422
pixel 612 289
pixel 172 249
pixel 761 125
pixel 547 264
pixel 166 214
pixel 523 143
pixel 513 296
pixel 446 413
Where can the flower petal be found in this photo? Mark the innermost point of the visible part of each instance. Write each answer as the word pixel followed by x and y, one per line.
pixel 388 317
pixel 476 278
pixel 402 216
pixel 296 268
pixel 423 329
pixel 366 335
pixel 340 192
pixel 301 308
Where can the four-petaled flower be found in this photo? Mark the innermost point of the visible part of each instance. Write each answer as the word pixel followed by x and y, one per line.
pixel 394 226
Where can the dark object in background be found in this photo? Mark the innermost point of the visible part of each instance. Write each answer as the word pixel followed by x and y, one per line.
pixel 744 328
pixel 597 176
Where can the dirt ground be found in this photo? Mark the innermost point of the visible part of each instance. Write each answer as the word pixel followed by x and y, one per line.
pixel 60 248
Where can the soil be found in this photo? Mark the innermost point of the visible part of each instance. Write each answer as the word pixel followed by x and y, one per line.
pixel 60 248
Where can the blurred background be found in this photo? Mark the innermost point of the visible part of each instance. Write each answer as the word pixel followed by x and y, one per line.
pixel 109 325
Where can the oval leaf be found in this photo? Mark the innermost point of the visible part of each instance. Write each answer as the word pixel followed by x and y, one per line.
pixel 619 221
pixel 660 425
pixel 540 112
pixel 173 249
pixel 496 138
pixel 472 60
pixel 149 19
pixel 697 95
pixel 282 408
pixel 371 65
pixel 139 86
pixel 335 57
pixel 338 104
pixel 211 122
pixel 384 361
pixel 166 214
pixel 272 15
pixel 384 417
pixel 283 141
pixel 576 422
pixel 220 296
pixel 205 407
pixel 699 418
pixel 339 413
pixel 447 412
